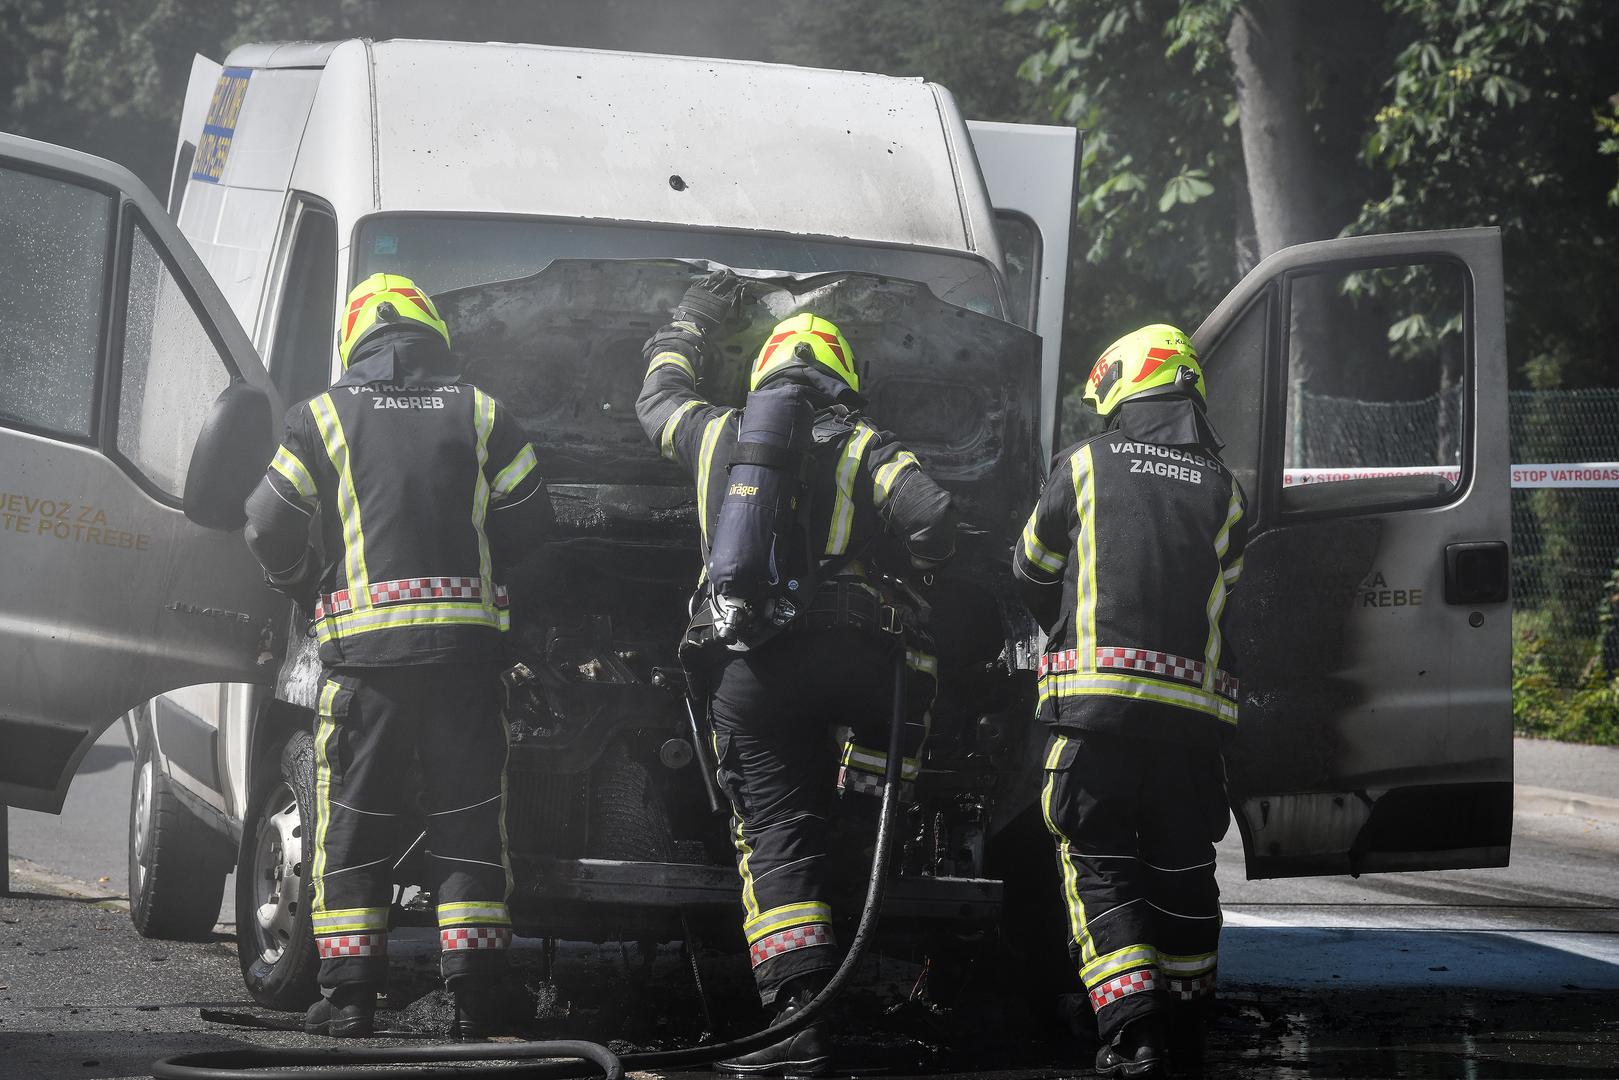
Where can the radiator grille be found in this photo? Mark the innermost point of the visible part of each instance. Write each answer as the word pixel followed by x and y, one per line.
pixel 546 814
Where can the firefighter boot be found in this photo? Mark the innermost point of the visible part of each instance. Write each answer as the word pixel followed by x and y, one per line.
pixel 345 1014
pixel 805 1053
pixel 1136 1051
pixel 480 1008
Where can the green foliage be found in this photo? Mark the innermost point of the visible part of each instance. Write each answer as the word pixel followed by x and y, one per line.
pixel 1607 125
pixel 1161 170
pixel 1486 118
pixel 1546 702
pixel 1425 115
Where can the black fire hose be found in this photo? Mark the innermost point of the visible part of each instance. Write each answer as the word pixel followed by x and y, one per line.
pixel 358 1063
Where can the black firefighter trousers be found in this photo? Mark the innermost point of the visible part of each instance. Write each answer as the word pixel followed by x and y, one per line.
pixel 774 711
pixel 1135 823
pixel 372 726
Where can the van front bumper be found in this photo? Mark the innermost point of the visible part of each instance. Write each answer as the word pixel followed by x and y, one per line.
pixel 598 899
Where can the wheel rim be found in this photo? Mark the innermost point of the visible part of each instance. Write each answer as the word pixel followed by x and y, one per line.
pixel 142 820
pixel 278 874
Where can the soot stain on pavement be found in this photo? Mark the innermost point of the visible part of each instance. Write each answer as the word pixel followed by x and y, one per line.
pixel 58 1010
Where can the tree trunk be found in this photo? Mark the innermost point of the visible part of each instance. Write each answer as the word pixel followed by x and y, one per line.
pixel 1285 196
pixel 1277 148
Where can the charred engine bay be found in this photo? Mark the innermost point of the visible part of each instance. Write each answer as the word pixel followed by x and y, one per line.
pixel 604 761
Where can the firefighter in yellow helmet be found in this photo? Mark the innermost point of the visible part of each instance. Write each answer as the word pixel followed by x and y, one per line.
pixel 1128 561
pixel 426 490
pixel 802 471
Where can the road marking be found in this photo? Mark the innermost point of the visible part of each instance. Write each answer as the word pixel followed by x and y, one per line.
pixel 1492 918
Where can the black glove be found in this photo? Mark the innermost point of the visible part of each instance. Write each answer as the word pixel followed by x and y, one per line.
pixel 301 584
pixel 712 302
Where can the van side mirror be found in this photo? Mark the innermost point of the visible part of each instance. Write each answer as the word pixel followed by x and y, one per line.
pixel 232 452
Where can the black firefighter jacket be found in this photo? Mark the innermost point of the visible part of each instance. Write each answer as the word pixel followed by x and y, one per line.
pixel 1141 530
pixel 426 488
pixel 865 480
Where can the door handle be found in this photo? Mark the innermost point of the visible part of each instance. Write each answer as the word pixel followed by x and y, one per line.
pixel 1477 573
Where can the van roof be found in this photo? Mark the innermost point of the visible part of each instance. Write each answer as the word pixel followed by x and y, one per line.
pixel 584 133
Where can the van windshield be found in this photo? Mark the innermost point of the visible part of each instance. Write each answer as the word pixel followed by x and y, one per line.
pixel 450 252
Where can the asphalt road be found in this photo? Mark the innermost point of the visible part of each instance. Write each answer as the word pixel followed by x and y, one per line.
pixel 1490 973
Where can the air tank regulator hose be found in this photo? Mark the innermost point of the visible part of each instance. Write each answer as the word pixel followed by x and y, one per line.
pixel 525 1058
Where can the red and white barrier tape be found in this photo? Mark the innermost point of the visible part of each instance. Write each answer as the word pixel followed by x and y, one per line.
pixel 1573 474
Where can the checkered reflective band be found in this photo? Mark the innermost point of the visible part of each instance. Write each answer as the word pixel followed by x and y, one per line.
pixel 857 780
pixel 785 941
pixel 404 589
pixel 475 937
pixel 1146 661
pixel 334 946
pixel 333 604
pixel 1122 986
pixel 426 588
pixel 864 783
pixel 1199 986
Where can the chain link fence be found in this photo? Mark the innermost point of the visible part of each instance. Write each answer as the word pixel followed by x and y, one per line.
pixel 1349 433
pixel 1565 543
pixel 1565 529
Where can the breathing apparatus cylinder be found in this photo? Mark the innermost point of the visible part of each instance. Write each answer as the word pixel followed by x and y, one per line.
pixel 755 576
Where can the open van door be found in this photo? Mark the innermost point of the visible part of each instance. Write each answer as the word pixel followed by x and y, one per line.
pixel 1362 386
pixel 1031 172
pixel 135 419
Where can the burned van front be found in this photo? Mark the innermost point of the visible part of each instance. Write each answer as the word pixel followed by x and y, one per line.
pixel 614 829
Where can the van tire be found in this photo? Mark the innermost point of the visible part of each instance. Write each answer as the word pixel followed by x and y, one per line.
pixel 279 963
pixel 175 883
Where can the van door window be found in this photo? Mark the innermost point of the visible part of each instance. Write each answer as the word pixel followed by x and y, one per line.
pixel 172 372
pixel 301 347
pixel 1020 245
pixel 1376 395
pixel 53 257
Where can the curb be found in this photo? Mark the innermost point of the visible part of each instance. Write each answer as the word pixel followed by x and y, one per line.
pixel 24 872
pixel 1539 800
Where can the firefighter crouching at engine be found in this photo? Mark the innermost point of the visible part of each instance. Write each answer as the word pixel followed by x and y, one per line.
pixel 426 488
pixel 1128 561
pixel 799 468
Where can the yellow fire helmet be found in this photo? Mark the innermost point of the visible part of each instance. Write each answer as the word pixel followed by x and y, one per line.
pixel 383 299
pixel 824 341
pixel 1150 362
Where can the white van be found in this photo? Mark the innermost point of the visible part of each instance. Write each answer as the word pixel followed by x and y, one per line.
pixel 555 201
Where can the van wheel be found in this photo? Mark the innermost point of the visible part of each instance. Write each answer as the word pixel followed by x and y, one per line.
pixel 175 883
pixel 274 939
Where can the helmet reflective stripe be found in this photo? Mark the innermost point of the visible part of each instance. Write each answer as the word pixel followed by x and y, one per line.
pixel 1150 362
pixel 826 344
pixel 363 312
